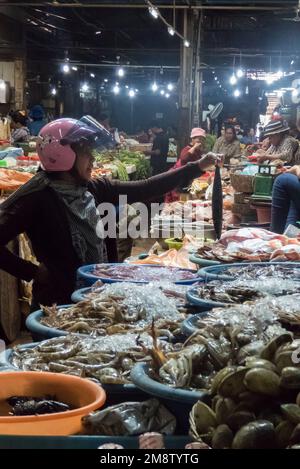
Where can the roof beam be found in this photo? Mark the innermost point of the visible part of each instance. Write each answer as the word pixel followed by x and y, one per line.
pixel 239 7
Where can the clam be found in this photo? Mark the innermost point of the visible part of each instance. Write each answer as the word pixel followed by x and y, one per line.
pixel 263 381
pixel 255 435
pixel 238 419
pixel 249 350
pixel 232 385
pixel 251 401
pixel 290 377
pixel 295 436
pixel 254 362
pixel 272 414
pixel 224 408
pixel 283 359
pixel 222 437
pixel 219 377
pixel 202 420
pixel 284 432
pixel 291 412
pixel 270 349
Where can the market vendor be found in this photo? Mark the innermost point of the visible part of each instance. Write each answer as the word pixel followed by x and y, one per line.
pixel 228 145
pixel 57 208
pixel 282 147
pixel 286 200
pixel 160 149
pixel 20 133
pixel 191 152
pixel 38 121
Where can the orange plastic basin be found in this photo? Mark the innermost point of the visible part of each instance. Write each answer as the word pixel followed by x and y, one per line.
pixel 81 394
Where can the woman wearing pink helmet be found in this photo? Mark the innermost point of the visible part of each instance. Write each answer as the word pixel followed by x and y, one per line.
pixel 57 207
pixel 191 152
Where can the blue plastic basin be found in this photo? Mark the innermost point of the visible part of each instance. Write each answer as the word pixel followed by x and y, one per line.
pixel 193 298
pixel 178 401
pixel 39 331
pixel 189 327
pixel 80 295
pixel 115 393
pixel 218 272
pixel 87 279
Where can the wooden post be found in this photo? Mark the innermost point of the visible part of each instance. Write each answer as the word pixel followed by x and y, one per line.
pixel 186 69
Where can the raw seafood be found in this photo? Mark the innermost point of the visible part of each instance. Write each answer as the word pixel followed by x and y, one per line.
pixel 24 405
pixel 255 406
pixel 107 360
pixel 242 290
pixel 143 273
pixel 251 244
pixel 254 271
pixel 120 307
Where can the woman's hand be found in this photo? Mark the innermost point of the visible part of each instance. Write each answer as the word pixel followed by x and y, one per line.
pixel 42 276
pixel 294 170
pixel 210 160
pixel 261 158
pixel 197 146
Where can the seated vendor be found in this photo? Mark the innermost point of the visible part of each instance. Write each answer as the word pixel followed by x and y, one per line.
pixel 229 145
pixel 19 130
pixel 286 200
pixel 283 147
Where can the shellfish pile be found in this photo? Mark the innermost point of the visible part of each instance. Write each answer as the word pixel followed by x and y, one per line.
pixel 256 405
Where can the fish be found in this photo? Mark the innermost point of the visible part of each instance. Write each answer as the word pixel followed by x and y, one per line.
pixel 217 203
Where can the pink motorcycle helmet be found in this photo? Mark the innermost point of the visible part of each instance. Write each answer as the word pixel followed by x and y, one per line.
pixel 55 140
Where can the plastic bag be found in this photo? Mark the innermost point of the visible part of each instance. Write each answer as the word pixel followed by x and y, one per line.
pixel 130 418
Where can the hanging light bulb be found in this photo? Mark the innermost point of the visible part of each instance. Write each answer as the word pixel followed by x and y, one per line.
pixel 116 89
pixel 162 92
pixel 280 74
pixel 233 79
pixel 170 87
pixel 121 72
pixel 171 31
pixel 2 85
pixel 131 94
pixel 269 79
pixel 247 89
pixel 105 80
pixel 240 73
pixel 85 87
pixel 236 93
pixel 66 68
pixel 154 87
pixel 75 68
pixel 92 75
pixel 167 95
pixel 54 92
pixel 154 12
pixel 186 43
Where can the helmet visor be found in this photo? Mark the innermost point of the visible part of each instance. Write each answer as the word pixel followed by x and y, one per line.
pixel 88 130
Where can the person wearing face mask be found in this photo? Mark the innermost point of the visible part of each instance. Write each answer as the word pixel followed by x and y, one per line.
pixel 57 208
pixel 228 145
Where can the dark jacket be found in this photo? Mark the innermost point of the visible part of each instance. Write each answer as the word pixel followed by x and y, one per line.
pixel 41 215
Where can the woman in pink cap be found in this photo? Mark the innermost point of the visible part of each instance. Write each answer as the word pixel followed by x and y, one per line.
pixel 191 152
